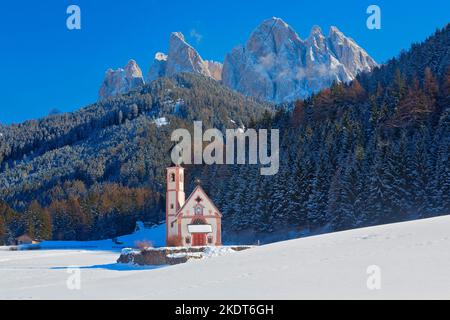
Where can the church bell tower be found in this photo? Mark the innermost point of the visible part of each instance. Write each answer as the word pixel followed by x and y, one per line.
pixel 175 199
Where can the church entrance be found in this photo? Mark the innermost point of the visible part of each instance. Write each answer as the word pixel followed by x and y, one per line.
pixel 199 239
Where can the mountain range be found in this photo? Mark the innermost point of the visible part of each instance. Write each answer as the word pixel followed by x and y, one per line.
pixel 274 65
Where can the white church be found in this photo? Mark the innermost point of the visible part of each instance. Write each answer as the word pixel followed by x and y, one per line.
pixel 194 222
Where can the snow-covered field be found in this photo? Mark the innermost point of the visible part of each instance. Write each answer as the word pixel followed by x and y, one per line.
pixel 413 259
pixel 156 236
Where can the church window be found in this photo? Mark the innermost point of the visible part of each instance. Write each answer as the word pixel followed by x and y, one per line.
pixel 172 177
pixel 198 210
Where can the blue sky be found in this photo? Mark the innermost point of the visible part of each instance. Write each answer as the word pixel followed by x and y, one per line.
pixel 45 66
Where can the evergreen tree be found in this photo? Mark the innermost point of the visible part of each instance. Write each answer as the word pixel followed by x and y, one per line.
pixel 403 175
pixel 300 188
pixel 39 224
pixel 318 200
pixel 421 179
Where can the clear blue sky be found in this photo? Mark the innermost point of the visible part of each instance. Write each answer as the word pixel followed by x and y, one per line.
pixel 46 66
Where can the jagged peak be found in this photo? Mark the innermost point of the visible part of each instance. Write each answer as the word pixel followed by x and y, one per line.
pixel 121 80
pixel 132 69
pixel 177 39
pixel 131 65
pixel 178 36
pixel 273 30
pixel 316 30
pixel 316 36
pixel 274 25
pixel 275 21
pixel 277 65
pixel 131 62
pixel 334 31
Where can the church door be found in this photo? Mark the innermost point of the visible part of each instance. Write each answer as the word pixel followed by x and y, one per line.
pixel 199 239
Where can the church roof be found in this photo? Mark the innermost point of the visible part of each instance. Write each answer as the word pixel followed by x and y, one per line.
pixel 199 188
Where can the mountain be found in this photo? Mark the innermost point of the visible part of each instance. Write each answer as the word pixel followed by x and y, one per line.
pixel 121 81
pixel 276 65
pixel 372 151
pixel 182 57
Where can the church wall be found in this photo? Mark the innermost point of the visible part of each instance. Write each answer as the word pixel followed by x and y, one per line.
pixel 185 221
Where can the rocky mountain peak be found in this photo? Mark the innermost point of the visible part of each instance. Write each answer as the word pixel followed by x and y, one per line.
pixel 177 36
pixel 121 80
pixel 182 57
pixel 275 64
pixel 132 70
pixel 316 33
pixel 278 66
pixel 335 33
pixel 271 34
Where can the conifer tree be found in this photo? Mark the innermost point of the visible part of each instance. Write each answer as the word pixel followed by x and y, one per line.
pixel 39 225
pixel 318 200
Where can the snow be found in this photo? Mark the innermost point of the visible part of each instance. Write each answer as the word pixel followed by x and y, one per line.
pixel 160 122
pixel 156 236
pixel 212 252
pixel 159 56
pixel 413 257
pixel 200 228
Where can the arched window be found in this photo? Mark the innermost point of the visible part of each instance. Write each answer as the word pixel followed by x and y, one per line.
pixel 172 177
pixel 198 210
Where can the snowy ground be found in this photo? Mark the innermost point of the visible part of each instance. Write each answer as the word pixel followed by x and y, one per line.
pixel 413 257
pixel 155 236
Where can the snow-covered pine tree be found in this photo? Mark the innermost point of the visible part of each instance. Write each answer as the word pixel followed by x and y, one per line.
pixel 318 200
pixel 422 174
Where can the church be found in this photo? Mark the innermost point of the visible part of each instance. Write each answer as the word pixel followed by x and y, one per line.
pixel 195 222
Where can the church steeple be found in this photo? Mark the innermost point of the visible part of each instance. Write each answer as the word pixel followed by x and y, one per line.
pixel 175 198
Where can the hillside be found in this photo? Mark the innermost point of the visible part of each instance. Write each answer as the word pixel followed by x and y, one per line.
pixel 109 157
pixel 413 258
pixel 370 152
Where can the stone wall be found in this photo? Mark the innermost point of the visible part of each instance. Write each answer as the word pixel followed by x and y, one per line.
pixel 165 256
